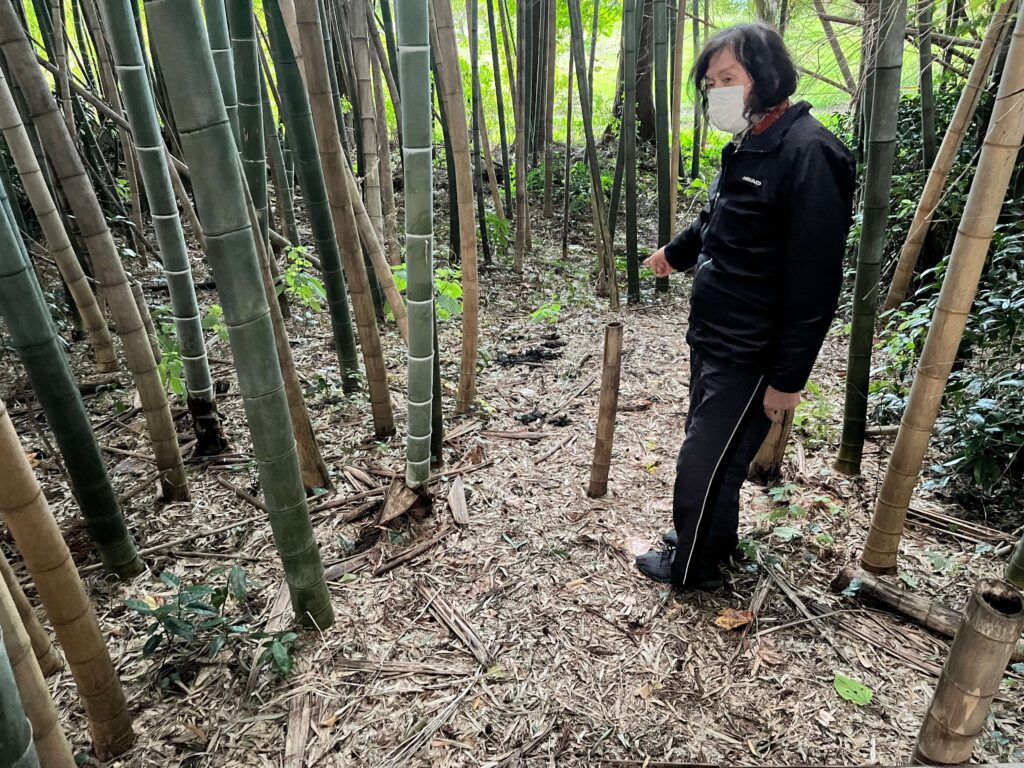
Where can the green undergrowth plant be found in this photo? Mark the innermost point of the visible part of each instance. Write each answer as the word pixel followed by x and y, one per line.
pixel 299 282
pixel 447 290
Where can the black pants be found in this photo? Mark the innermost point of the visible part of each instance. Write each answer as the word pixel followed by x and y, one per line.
pixel 725 427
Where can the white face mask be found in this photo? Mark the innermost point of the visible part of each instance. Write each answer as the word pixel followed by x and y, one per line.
pixel 727 108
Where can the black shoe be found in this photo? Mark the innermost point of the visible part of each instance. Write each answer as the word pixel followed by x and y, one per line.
pixel 657 566
pixel 671 538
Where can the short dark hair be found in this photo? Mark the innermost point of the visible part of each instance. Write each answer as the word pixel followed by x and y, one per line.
pixel 762 52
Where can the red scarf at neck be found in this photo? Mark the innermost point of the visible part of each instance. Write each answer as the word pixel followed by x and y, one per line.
pixel 770 117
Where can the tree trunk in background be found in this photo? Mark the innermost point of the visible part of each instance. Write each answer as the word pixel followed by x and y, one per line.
pixel 106 259
pixel 697 114
pixel 959 286
pixel 877 185
pixel 499 96
pixel 367 117
pixel 631 27
pixel 450 87
pixel 476 128
pixel 519 99
pixel 568 161
pixel 924 45
pixel 386 177
pixel 661 67
pixel 645 112
pixel 48 561
pixel 549 108
pixel 940 168
pixel 233 252
pixel 678 76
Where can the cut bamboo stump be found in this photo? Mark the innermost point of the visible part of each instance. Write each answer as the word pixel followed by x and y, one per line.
pixel 606 410
pixel 972 673
pixel 767 465
pixel 872 590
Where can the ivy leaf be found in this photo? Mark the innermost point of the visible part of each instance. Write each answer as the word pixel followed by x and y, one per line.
pixel 852 690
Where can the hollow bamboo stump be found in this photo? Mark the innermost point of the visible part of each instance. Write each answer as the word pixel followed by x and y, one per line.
pixel 972 673
pixel 606 413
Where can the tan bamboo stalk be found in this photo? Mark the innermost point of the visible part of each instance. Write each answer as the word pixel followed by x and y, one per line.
pixel 60 54
pixel 568 160
pixel 314 67
pixel 837 49
pixel 381 268
pixel 387 182
pixel 547 208
pixel 931 195
pixel 186 203
pixel 492 177
pixel 62 594
pixel 607 409
pixel 47 655
pixel 446 52
pixel 677 93
pixel 110 274
pixel 382 60
pixel 51 745
pixel 981 213
pixel 972 673
pixel 510 60
pixel 113 97
pixel 368 117
pixel 50 222
pixel 147 318
pixel 767 464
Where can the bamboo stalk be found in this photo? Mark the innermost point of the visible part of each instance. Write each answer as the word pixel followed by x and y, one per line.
pixel 924 45
pixel 15 729
pixel 971 675
pixel 966 262
pixel 476 127
pixel 837 49
pixel 51 745
pixel 661 66
pixel 630 38
pixel 63 80
pixel 1015 566
pixel 389 211
pixel 500 103
pixel 359 38
pixel 568 161
pixel 607 409
pixel 47 656
pixel 25 511
pixel 674 112
pixel 932 193
pixel 549 106
pixel 519 99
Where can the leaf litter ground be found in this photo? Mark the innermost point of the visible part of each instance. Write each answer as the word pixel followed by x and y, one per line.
pixel 525 636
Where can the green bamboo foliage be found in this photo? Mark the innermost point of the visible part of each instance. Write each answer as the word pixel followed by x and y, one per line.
pixel 630 36
pixel 140 109
pixel 881 151
pixel 412 22
pixel 661 128
pixel 220 44
pixel 301 133
pixel 38 192
pixel 16 747
pixel 245 55
pixel 33 336
pixel 109 271
pixel 208 146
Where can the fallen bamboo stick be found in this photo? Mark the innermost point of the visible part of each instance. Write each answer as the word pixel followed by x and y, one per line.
pixel 610 372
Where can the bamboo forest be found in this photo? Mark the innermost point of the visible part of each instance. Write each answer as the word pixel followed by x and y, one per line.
pixel 511 383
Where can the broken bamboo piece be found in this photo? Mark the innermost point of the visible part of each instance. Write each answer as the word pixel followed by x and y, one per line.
pixel 767 464
pixel 446 614
pixel 972 673
pixel 607 409
pixel 933 615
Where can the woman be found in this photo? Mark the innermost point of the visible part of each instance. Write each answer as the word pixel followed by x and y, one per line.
pixel 768 251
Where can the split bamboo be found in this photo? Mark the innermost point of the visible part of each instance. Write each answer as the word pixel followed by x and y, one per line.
pixel 607 409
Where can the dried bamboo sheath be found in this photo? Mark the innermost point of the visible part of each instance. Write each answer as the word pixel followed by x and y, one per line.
pixel 607 410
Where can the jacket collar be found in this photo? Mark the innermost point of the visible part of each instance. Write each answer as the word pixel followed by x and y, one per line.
pixel 769 140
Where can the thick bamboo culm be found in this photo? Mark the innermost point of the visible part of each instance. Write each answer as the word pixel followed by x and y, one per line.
pixel 51 745
pixel 767 464
pixel 46 653
pixel 607 409
pixel 19 751
pixel 972 673
pixel 966 262
pixel 931 195
pixel 46 556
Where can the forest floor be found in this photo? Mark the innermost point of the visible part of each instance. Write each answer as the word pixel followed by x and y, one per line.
pixel 573 658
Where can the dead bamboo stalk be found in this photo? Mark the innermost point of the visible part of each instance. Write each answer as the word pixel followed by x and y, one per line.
pixel 931 195
pixel 837 49
pixel 607 409
pixel 767 464
pixel 972 673
pixel 974 235
pixel 50 661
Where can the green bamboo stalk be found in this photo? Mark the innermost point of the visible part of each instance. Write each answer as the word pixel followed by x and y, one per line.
pixel 389 38
pixel 413 29
pixel 17 749
pixel 697 114
pixel 500 102
pixel 472 11
pixel 661 115
pixel 550 22
pixel 630 37
pixel 207 142
pixel 924 44
pixel 359 36
pixel 298 119
pixel 33 336
pixel 568 162
pixel 881 151
pixel 140 109
pixel 387 180
pixel 246 61
pixel 220 44
pixel 67 166
pixel 284 202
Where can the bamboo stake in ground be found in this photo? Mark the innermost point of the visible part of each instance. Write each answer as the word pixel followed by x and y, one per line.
pixel 932 193
pixel 62 594
pixel 607 410
pixel 966 261
pixel 971 675
pixel 51 745
pixel 47 656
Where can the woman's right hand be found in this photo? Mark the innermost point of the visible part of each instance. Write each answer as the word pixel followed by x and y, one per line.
pixel 658 263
